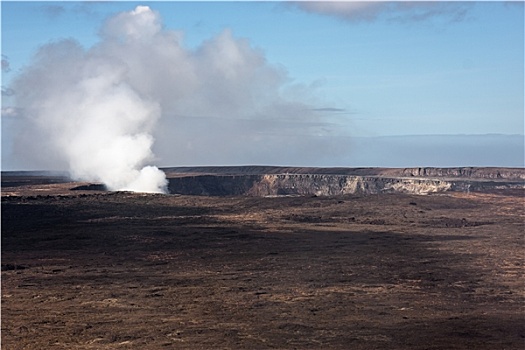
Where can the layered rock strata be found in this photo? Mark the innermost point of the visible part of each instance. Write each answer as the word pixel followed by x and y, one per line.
pixel 332 185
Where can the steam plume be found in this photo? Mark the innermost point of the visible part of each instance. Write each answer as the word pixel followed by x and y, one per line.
pixel 85 110
pixel 98 111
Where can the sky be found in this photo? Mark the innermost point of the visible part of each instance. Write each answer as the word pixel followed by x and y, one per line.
pixel 282 83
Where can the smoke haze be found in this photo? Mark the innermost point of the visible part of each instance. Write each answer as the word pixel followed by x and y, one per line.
pixel 104 111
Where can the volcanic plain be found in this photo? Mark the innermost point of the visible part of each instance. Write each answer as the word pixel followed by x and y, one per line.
pixel 92 269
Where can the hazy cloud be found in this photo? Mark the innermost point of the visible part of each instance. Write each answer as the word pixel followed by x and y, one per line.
pixel 9 112
pixel 7 91
pixel 5 64
pixel 330 109
pixel 53 11
pixel 392 11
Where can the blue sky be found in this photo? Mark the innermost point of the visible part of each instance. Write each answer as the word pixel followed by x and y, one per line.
pixel 381 69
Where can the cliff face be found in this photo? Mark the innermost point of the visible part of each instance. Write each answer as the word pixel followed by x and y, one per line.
pixel 330 185
pixel 469 172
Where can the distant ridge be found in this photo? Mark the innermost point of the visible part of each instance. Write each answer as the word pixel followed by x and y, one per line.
pixel 453 172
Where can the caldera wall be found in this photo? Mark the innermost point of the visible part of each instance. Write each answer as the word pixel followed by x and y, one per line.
pixel 328 184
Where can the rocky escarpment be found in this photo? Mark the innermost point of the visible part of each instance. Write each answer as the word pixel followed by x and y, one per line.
pixel 330 185
pixel 294 182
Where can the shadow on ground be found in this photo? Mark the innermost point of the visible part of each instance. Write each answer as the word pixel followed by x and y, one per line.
pixel 121 270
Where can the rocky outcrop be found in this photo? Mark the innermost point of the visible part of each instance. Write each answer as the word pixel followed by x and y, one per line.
pixel 90 187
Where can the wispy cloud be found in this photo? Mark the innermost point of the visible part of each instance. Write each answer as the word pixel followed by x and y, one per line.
pixel 330 109
pixel 358 11
pixel 9 112
pixel 7 91
pixel 53 11
pixel 81 9
pixel 5 64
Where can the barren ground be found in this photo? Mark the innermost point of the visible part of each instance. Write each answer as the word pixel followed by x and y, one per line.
pixel 95 270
